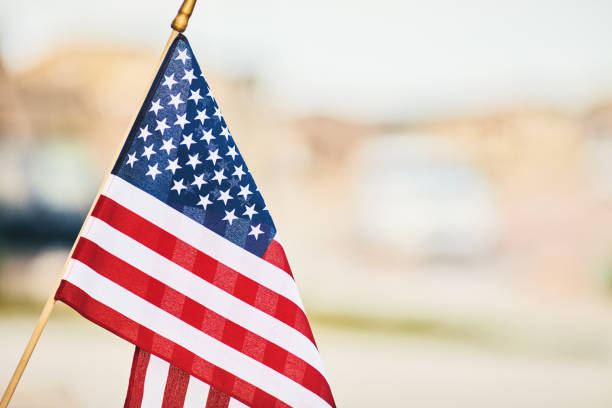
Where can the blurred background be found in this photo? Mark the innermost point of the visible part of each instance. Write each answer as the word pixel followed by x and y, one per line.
pixel 440 173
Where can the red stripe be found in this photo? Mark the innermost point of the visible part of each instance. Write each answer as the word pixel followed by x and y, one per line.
pixel 140 363
pixel 275 254
pixel 202 265
pixel 217 399
pixel 176 387
pixel 163 348
pixel 202 318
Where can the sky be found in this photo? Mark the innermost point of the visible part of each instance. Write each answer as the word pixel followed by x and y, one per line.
pixel 378 60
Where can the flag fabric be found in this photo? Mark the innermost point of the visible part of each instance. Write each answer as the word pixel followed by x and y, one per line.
pixel 156 383
pixel 181 257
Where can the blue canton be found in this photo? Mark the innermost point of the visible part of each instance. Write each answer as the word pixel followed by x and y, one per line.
pixel 181 151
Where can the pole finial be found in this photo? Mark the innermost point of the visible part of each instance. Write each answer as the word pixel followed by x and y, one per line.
pixel 182 18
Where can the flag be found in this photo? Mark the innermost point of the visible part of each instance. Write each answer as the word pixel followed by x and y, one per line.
pixel 180 256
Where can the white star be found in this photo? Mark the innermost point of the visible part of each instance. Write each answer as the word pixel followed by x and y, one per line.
pixel 175 100
pixel 193 161
pixel 173 165
pixel 161 126
pixel 153 171
pixel 219 176
pixel 156 106
pixel 238 172
pixel 256 231
pixel 232 152
pixel 225 132
pixel 195 95
pixel 213 156
pixel 169 82
pixel 244 191
pixel 132 159
pixel 181 120
pixel 144 133
pixel 183 56
pixel 188 140
pixel 167 145
pixel 189 75
pixel 250 211
pixel 204 201
pixel 225 196
pixel 198 181
pixel 202 116
pixel 210 94
pixel 217 112
pixel 178 186
pixel 207 135
pixel 148 151
pixel 229 216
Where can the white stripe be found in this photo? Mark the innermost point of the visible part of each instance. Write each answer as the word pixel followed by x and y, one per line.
pixel 202 238
pixel 203 292
pixel 236 404
pixel 144 313
pixel 197 393
pixel 155 383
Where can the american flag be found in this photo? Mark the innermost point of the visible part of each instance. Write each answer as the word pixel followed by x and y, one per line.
pixel 181 257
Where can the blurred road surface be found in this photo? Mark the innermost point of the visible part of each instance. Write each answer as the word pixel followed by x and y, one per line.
pixel 78 364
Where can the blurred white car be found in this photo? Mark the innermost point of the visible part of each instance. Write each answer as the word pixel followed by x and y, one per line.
pixel 414 195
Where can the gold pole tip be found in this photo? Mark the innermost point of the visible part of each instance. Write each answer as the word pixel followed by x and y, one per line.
pixel 182 18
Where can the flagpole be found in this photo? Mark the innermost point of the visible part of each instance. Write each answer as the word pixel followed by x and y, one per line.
pixel 179 24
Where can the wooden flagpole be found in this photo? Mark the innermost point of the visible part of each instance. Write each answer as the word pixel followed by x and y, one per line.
pixel 179 24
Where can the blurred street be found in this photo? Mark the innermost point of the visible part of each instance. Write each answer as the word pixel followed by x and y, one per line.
pixel 78 364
